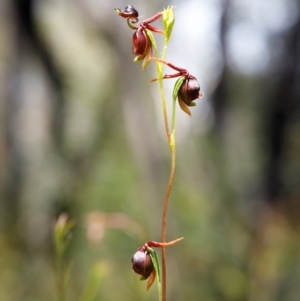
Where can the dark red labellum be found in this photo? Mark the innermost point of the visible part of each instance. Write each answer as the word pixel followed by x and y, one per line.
pixel 142 263
pixel 189 90
pixel 141 44
pixel 130 11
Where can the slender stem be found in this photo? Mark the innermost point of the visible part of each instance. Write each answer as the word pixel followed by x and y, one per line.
pixel 164 219
pixel 159 68
pixel 167 196
pixel 60 278
pixel 171 141
pixel 163 98
pixel 173 122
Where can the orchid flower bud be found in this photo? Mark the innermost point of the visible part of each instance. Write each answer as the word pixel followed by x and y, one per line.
pixel 168 21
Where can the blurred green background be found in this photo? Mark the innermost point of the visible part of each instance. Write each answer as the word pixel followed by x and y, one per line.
pixel 81 133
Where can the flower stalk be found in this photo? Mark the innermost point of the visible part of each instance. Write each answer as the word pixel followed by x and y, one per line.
pixel 186 91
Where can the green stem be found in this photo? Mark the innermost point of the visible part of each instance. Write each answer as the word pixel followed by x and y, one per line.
pixel 169 187
pixel 173 120
pixel 60 278
pixel 159 68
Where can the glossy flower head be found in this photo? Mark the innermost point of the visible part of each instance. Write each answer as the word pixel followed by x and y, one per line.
pixel 142 263
pixel 186 88
pixel 145 261
pixel 188 91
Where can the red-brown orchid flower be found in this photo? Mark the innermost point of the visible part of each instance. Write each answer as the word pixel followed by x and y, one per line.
pixel 187 88
pixel 142 261
pixel 189 91
pixel 141 39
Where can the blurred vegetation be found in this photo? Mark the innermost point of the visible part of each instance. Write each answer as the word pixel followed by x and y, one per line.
pixel 81 134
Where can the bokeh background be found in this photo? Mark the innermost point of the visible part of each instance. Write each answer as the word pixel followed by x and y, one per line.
pixel 81 133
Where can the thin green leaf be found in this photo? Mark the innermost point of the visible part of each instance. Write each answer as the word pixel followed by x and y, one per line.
pixel 156 265
pixel 155 262
pixel 92 287
pixel 152 39
pixel 147 60
pixel 67 274
pixel 184 107
pixel 177 87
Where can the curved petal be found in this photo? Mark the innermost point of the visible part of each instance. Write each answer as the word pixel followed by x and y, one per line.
pixel 140 43
pixel 151 279
pixel 183 106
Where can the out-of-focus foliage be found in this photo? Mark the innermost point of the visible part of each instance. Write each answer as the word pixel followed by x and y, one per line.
pixel 81 132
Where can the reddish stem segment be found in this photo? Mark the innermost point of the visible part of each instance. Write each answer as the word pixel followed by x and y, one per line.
pixel 164 224
pixel 152 28
pixel 182 71
pixel 152 19
pixel 156 244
